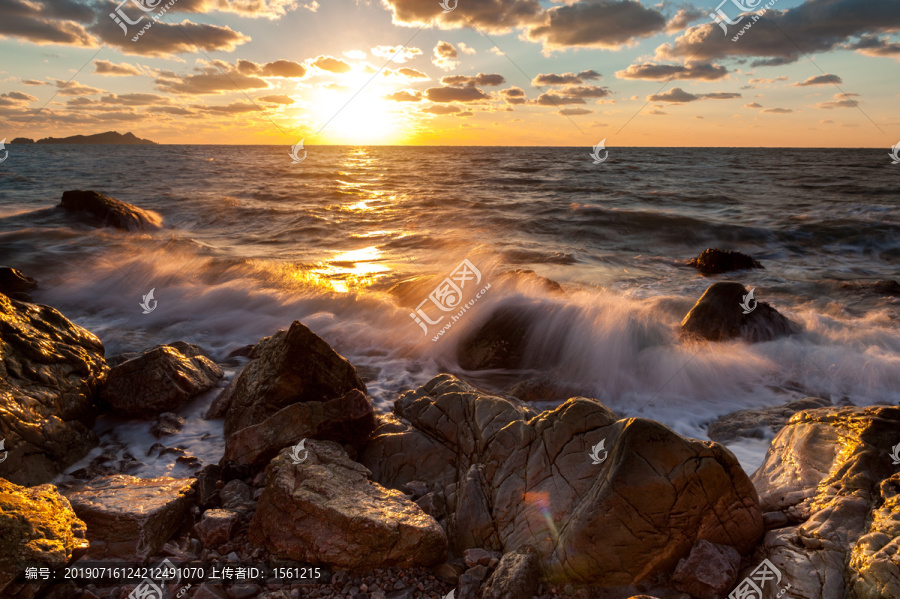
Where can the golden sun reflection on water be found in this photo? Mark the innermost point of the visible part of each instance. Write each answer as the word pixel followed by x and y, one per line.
pixel 346 271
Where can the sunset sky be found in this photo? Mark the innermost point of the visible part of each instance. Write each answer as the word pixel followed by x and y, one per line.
pixel 490 72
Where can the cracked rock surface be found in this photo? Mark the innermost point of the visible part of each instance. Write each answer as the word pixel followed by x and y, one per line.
pixel 511 477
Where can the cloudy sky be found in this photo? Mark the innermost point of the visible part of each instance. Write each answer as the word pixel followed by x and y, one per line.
pixel 488 72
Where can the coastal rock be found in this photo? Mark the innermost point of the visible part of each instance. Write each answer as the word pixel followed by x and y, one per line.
pixel 516 577
pixel 16 285
pixel 289 367
pixel 709 572
pixel 348 420
pixel 761 422
pixel 498 343
pixel 131 518
pixel 512 478
pixel 830 472
pixel 50 372
pixel 217 527
pixel 38 527
pixel 104 211
pixel 718 316
pixel 715 261
pixel 325 509
pixel 878 287
pixel 168 423
pixel 158 380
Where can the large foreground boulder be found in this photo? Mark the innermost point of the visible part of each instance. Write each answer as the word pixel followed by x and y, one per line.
pixel 159 380
pixel 348 420
pixel 831 477
pixel 39 528
pixel 326 510
pixel 131 518
pixel 719 316
pixel 715 261
pixel 289 367
pixel 50 371
pixel 105 211
pixel 601 500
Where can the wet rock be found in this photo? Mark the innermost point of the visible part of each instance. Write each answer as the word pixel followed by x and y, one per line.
pixel 468 587
pixel 292 366
pixel 210 591
pixel 235 493
pixel 167 423
pixel 216 527
pixel 830 472
pixel 709 572
pixel 878 287
pixel 38 527
pixel 104 211
pixel 715 261
pixel 506 472
pixel 131 518
pixel 415 488
pixel 516 577
pixel 474 557
pixel 529 278
pixel 498 343
pixel 718 316
pixel 158 380
pixel 758 423
pixel 16 285
pixel 50 372
pixel 206 491
pixel 325 509
pixel 348 419
pixel 449 572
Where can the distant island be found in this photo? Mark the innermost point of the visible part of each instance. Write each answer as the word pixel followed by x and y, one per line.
pixel 110 137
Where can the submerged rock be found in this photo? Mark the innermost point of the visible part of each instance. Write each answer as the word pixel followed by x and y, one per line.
pixel 15 284
pixel 159 380
pixel 348 420
pixel 131 518
pixel 289 367
pixel 719 316
pixel 50 372
pixel 715 261
pixel 878 287
pixel 326 510
pixel 38 528
pixel 753 423
pixel 498 343
pixel 512 478
pixel 105 211
pixel 830 472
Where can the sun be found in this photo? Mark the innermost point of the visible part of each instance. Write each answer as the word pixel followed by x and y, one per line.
pixel 356 113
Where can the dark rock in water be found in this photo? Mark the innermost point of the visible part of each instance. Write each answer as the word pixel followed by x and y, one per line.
pixel 326 510
pixel 50 372
pixel 131 518
pixel 159 380
pixel 709 572
pixel 521 275
pixel 516 577
pixel 348 420
pixel 715 261
pixel 39 528
pixel 719 316
pixel 878 287
pixel 22 140
pixel 106 211
pixel 289 367
pixel 167 424
pixel 15 284
pixel 750 423
pixel 832 473
pixel 107 137
pixel 511 478
pixel 498 343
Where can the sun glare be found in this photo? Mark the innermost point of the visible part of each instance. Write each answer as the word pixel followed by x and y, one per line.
pixel 367 118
